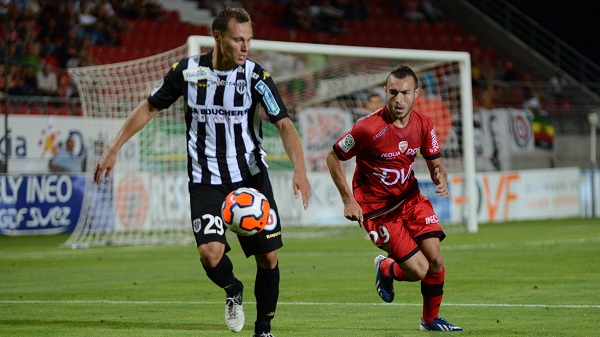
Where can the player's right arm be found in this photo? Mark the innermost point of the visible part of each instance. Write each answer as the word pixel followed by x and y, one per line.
pixel 167 91
pixel 352 210
pixel 140 116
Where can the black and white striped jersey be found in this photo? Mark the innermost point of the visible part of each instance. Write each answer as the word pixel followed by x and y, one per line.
pixel 222 114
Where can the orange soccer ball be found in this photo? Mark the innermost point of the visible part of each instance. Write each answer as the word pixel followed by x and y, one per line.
pixel 245 211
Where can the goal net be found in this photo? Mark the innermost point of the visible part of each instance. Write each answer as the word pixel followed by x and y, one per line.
pixel 325 89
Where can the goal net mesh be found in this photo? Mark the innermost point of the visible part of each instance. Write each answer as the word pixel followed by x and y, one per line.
pixel 146 199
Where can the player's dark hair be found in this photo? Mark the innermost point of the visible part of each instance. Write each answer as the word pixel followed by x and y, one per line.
pixel 401 72
pixel 227 13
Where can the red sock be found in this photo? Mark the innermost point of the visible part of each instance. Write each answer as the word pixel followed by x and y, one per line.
pixel 432 288
pixel 389 268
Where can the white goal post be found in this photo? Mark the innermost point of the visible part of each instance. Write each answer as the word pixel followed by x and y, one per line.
pixel 325 88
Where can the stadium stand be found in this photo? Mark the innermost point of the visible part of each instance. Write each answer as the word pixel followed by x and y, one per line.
pixel 122 31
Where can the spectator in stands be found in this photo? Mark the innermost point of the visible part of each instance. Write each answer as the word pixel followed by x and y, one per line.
pixel 216 6
pixel 28 75
pixel 429 81
pixel 476 71
pixel 431 12
pixel 510 72
pixel 31 56
pixel 141 10
pixel 4 7
pixel 12 35
pixel 364 103
pixel 328 17
pixel 410 9
pixel 69 49
pixel 534 105
pixel 112 24
pixel 26 29
pixel 488 97
pixel 90 25
pixel 374 102
pixel 16 81
pixel 556 87
pixel 353 9
pixel 65 88
pixel 49 37
pixel 497 150
pixel 65 160
pixel 84 57
pixel 47 83
pixel 296 15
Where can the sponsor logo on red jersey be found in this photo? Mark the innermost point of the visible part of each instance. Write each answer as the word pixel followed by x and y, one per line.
pixel 346 143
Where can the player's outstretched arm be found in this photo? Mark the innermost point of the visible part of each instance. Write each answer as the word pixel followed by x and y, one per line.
pixel 138 118
pixel 352 210
pixel 293 148
pixel 439 176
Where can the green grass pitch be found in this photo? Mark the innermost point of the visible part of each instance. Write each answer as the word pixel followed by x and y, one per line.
pixel 533 278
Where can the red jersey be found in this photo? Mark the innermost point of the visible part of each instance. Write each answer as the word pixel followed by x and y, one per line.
pixel 385 155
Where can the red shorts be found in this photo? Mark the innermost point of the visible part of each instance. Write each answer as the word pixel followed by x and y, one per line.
pixel 399 231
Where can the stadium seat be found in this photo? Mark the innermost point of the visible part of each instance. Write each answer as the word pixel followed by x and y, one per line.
pixel 443 42
pixel 21 108
pixel 64 111
pixel 51 110
pixel 353 26
pixel 172 16
pixel 413 42
pixel 77 110
pixel 97 50
pixel 52 61
pixel 377 13
pixel 424 28
pixel 472 42
pixel 36 109
pixel 439 28
pixel 457 42
pixel 409 28
pixel 372 28
pixel 453 28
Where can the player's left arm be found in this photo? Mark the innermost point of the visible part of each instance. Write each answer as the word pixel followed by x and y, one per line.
pixel 293 148
pixel 439 176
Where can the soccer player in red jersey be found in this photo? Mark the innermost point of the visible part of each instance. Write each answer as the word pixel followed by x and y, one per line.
pixel 385 197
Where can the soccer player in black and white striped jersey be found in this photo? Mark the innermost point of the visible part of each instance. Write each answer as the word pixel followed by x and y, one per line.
pixel 224 91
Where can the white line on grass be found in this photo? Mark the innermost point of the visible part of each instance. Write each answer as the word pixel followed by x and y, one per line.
pixel 526 243
pixel 509 305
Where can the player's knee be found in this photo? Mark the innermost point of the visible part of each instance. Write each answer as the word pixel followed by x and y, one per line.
pixel 436 264
pixel 267 261
pixel 422 271
pixel 210 255
pixel 415 275
pixel 418 269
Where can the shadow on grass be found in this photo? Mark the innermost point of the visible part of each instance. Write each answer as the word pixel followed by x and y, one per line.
pixel 20 324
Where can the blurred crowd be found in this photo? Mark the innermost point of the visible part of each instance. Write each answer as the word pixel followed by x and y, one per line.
pixel 42 38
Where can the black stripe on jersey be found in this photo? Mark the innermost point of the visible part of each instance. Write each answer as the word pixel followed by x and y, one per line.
pixel 201 93
pixel 240 88
pixel 220 91
pixel 241 150
pixel 201 140
pixel 221 151
pixel 188 123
